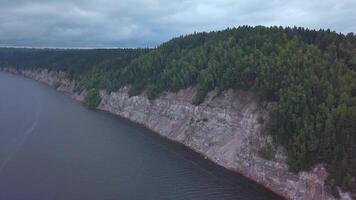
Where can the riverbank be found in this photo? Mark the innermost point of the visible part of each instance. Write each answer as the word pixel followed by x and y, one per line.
pixel 224 128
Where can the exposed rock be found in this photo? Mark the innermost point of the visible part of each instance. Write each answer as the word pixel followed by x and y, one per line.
pixel 224 128
pixel 57 79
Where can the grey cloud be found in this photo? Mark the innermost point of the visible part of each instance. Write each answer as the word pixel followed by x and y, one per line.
pixel 133 23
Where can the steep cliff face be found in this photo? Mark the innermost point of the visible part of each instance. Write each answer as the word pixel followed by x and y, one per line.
pixel 55 79
pixel 58 80
pixel 224 128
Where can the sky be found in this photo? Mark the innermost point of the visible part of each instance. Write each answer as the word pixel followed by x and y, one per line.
pixel 147 23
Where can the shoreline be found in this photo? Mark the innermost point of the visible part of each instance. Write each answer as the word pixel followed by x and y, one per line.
pixel 68 87
pixel 202 156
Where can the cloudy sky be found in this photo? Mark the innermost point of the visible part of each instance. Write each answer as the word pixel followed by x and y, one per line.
pixel 147 23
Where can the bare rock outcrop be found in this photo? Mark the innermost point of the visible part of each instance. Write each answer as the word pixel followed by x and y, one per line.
pixel 225 129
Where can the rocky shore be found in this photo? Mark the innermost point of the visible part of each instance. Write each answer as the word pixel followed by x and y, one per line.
pixel 226 128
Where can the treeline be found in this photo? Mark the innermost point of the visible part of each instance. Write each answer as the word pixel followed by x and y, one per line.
pixel 310 74
pixel 75 62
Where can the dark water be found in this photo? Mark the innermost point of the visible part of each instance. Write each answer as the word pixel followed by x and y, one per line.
pixel 51 147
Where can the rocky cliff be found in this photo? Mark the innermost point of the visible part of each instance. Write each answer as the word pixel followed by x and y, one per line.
pixel 226 128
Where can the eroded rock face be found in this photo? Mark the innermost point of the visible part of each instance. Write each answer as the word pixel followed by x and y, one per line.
pixel 224 128
pixel 58 80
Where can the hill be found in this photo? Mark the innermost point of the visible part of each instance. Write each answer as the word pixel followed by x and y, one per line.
pixel 310 75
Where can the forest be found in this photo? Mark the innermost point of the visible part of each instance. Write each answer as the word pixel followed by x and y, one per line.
pixel 309 74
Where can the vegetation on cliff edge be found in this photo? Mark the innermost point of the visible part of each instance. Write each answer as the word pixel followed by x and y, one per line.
pixel 310 74
pixel 92 99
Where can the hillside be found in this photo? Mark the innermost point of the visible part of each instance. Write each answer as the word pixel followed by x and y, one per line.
pixel 75 62
pixel 309 74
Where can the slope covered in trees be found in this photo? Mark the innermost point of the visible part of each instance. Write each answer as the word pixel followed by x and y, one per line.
pixel 310 74
pixel 75 62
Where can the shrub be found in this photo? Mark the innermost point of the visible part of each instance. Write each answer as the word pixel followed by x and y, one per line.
pixel 152 92
pixel 260 120
pixel 56 84
pixel 136 89
pixel 92 99
pixel 267 152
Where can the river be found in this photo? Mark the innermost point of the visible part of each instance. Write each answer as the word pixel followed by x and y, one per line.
pixel 53 148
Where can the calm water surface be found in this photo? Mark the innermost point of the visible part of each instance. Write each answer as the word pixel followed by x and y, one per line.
pixel 52 148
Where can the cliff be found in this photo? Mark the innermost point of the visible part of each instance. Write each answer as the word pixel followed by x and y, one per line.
pixel 224 128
